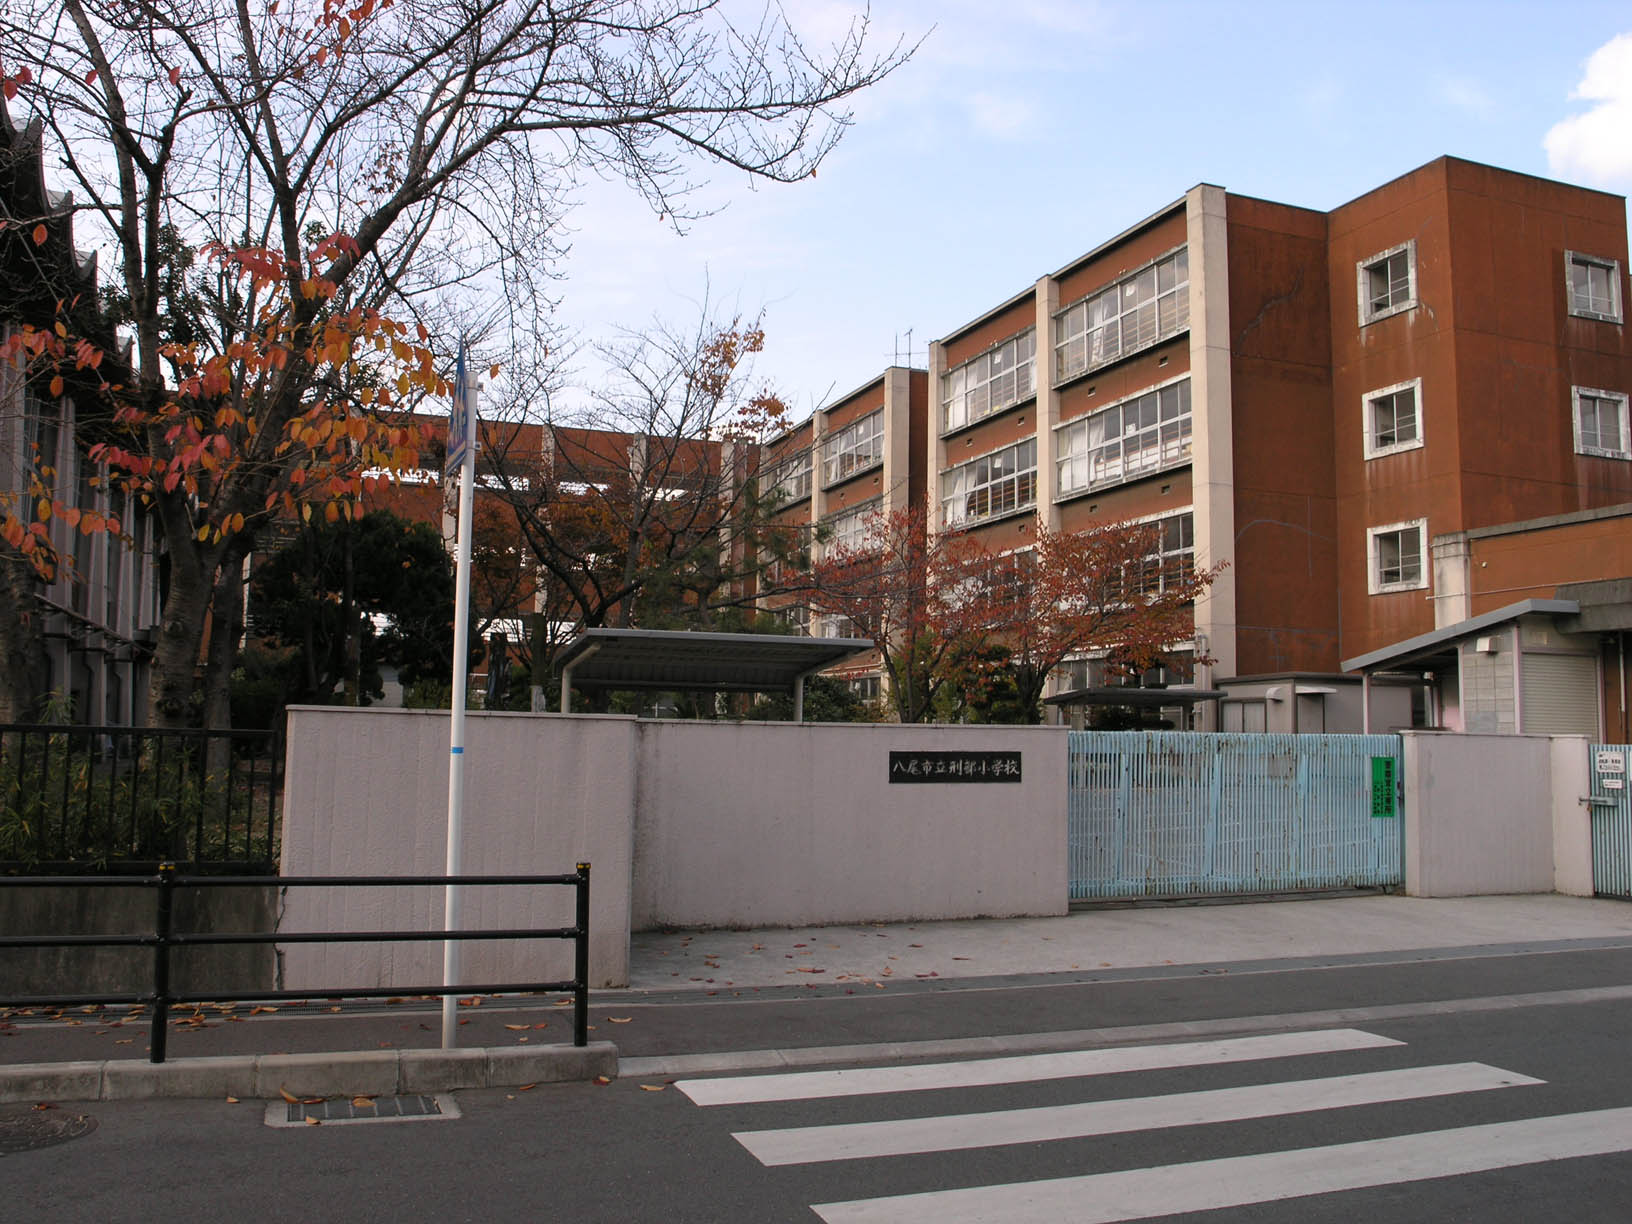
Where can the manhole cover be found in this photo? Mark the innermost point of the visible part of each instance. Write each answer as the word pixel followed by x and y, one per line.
pixel 23 1132
pixel 343 1110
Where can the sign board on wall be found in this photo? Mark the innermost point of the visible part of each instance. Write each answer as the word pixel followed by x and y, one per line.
pixel 1382 787
pixel 954 767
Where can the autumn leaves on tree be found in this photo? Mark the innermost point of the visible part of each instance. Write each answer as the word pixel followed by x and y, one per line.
pixel 304 203
pixel 944 611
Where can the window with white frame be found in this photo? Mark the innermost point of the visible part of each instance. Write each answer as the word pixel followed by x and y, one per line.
pixel 855 448
pixel 997 379
pixel 1388 282
pixel 1397 555
pixel 1594 286
pixel 1174 556
pixel 867 688
pixel 993 485
pixel 1393 418
pixel 1142 434
pixel 850 528
pixel 795 616
pixel 1600 423
pixel 789 480
pixel 1136 312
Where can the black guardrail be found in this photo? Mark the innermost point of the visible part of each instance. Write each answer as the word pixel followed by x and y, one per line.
pixel 163 938
pixel 77 799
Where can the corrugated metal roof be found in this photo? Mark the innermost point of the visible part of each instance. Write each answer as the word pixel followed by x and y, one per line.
pixel 731 662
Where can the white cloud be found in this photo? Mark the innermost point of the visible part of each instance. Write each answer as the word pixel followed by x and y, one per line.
pixel 1597 145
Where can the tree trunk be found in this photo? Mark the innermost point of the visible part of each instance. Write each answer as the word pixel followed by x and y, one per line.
pixel 23 672
pixel 175 654
pixel 226 626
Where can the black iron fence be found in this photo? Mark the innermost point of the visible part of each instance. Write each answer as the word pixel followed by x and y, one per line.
pixel 78 799
pixel 164 938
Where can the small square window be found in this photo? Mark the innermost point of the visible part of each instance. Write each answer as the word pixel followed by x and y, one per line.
pixel 1594 286
pixel 1601 424
pixel 1388 283
pixel 1397 556
pixel 1393 418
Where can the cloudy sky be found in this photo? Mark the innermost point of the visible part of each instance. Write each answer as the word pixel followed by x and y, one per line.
pixel 1024 133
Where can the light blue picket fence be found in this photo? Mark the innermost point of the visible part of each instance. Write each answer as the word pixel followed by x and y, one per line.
pixel 1611 808
pixel 1172 814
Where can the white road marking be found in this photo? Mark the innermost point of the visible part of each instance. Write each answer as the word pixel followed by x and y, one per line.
pixel 1207 1185
pixel 805 1145
pixel 808 1085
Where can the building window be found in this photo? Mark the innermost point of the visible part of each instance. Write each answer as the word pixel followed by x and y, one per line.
pixel 850 529
pixel 999 378
pixel 796 617
pixel 1388 283
pixel 1139 435
pixel 789 480
pixel 1393 418
pixel 1601 424
pixel 1397 554
pixel 855 448
pixel 1594 286
pixel 1174 558
pixel 1135 313
pixel 867 688
pixel 993 485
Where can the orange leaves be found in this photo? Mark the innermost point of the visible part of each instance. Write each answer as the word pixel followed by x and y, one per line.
pixel 39 235
pixel 56 386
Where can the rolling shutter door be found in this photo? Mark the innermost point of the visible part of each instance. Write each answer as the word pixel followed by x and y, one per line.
pixel 1560 694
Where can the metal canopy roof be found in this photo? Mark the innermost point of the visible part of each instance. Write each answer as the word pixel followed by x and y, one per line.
pixel 731 662
pixel 1143 697
pixel 1438 640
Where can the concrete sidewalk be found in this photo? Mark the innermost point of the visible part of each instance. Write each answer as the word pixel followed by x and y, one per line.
pixel 369 1048
pixel 1114 938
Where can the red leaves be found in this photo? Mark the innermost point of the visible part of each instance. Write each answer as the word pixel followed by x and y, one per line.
pixel 40 235
pixel 8 85
pixel 175 76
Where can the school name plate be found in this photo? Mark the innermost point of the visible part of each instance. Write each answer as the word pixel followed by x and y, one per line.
pixel 954 767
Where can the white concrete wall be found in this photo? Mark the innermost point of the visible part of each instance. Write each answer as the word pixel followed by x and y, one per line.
pixel 765 824
pixel 366 794
pixel 695 824
pixel 1572 818
pixel 1480 814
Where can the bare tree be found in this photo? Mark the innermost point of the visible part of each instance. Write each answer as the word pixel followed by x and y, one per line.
pixel 342 160
pixel 644 511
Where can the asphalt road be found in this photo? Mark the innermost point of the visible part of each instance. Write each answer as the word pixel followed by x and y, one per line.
pixel 1506 1067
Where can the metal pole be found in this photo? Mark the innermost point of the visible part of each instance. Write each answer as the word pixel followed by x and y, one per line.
pixel 161 961
pixel 580 970
pixel 456 731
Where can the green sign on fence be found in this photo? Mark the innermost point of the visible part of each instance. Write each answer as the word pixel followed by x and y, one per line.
pixel 1382 787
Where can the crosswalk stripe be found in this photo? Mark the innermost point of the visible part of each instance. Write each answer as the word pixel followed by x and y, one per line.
pixel 808 1085
pixel 1206 1185
pixel 810 1144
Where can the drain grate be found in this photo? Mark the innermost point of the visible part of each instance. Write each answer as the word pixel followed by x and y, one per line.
pixel 345 1110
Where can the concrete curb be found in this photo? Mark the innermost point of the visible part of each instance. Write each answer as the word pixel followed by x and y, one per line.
pixel 267 1076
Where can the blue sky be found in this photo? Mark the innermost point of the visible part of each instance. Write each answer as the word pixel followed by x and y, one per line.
pixel 1022 134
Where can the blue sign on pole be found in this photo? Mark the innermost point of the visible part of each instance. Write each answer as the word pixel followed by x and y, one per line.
pixel 461 420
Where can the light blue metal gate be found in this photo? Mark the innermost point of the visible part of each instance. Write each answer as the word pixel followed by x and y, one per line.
pixel 1170 814
pixel 1611 821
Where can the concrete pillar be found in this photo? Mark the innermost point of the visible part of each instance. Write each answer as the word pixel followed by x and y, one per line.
pixel 1453 587
pixel 935 440
pixel 1212 453
pixel 1048 404
pixel 897 437
pixel 1572 818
